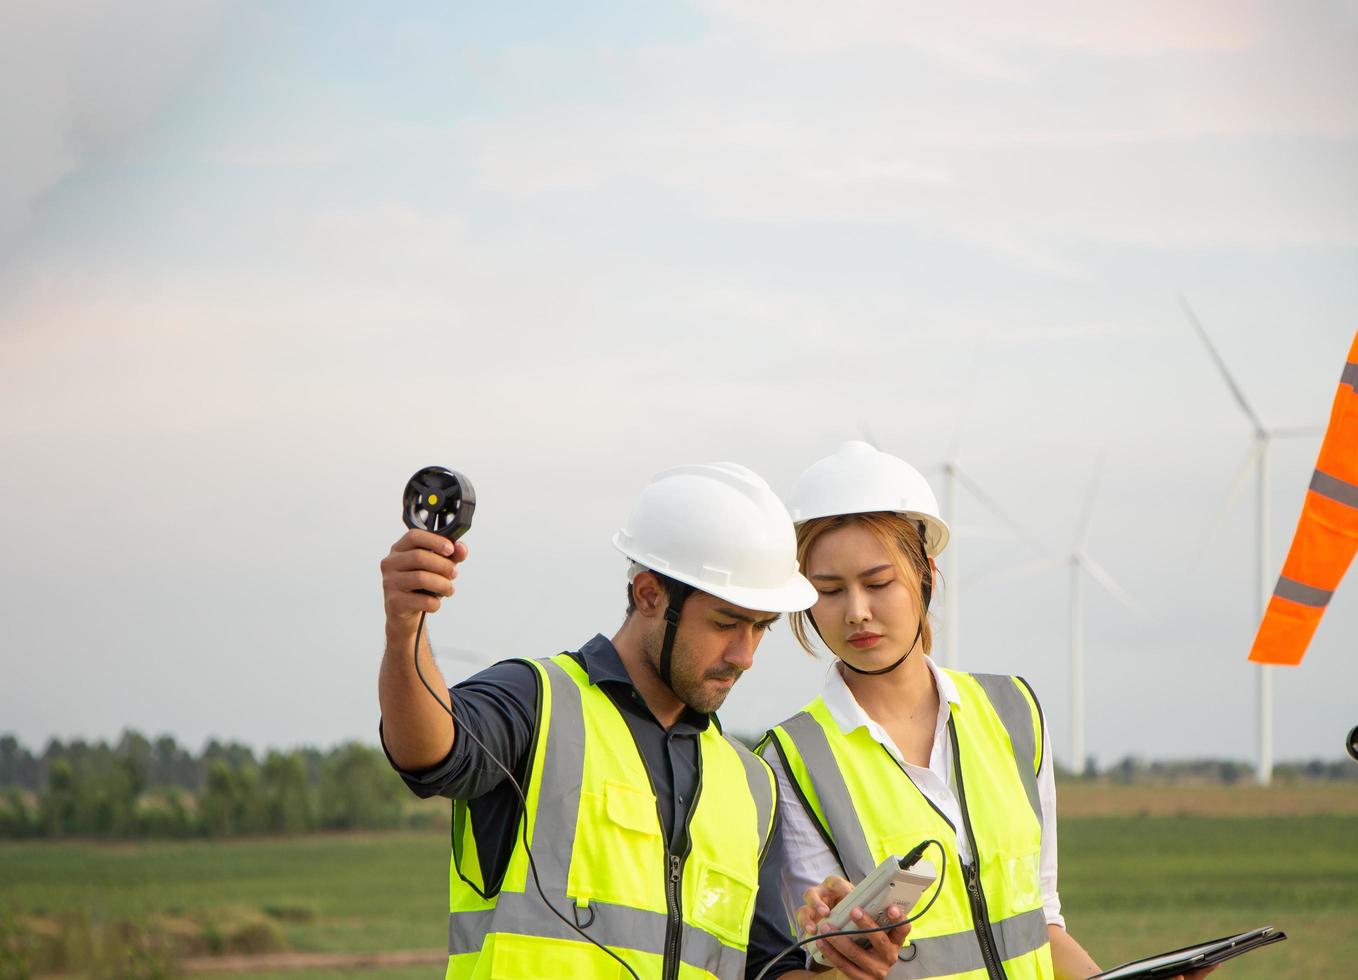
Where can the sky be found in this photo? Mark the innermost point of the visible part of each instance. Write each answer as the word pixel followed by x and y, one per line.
pixel 259 264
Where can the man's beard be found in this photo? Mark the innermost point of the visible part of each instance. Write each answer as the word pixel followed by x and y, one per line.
pixel 697 693
pixel 688 685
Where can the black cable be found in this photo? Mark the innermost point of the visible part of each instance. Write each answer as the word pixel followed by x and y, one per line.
pixel 918 851
pixel 522 799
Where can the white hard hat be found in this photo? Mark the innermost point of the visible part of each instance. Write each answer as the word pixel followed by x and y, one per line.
pixel 859 479
pixel 719 528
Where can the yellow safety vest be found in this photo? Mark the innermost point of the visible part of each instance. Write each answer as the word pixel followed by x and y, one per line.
pixel 988 921
pixel 602 857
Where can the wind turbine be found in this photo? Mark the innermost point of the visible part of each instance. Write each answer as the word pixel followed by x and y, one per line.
pixel 954 476
pixel 1258 455
pixel 1079 564
pixel 1082 564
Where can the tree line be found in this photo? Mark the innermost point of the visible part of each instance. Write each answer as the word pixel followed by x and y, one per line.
pixel 1133 770
pixel 136 787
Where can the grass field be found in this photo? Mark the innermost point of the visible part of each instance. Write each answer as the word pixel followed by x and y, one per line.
pixel 1131 884
pixel 352 893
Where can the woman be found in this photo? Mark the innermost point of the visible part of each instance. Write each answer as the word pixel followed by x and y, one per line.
pixel 897 750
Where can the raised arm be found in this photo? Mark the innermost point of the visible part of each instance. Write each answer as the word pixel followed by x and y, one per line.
pixel 417 731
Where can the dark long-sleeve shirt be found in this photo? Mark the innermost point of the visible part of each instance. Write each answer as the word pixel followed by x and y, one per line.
pixel 499 704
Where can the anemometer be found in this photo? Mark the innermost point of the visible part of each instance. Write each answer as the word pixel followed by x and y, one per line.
pixel 440 500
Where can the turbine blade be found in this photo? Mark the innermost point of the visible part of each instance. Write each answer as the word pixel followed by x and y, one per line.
pixel 1082 535
pixel 1099 574
pixel 868 435
pixel 1297 431
pixel 969 399
pixel 998 573
pixel 990 504
pixel 1238 481
pixel 1221 366
pixel 982 532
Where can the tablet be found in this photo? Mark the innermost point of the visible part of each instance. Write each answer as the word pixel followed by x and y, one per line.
pixel 1192 957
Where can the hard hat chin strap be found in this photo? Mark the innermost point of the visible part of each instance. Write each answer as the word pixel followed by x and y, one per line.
pixel 919 630
pixel 676 603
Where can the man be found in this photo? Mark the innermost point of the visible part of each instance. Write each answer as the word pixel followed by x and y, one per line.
pixel 631 821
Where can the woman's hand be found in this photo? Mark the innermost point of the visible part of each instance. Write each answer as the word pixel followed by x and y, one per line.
pixel 842 952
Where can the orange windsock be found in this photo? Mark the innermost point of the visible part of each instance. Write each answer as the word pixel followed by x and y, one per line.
pixel 1326 538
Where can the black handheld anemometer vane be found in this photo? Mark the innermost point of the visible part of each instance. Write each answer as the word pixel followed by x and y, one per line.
pixel 440 500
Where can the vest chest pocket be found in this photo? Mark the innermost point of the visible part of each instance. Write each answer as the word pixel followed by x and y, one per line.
pixel 1021 876
pixel 619 855
pixel 723 903
pixel 628 807
pixel 1010 860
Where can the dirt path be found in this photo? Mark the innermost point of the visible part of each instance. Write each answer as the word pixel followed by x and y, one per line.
pixel 1074 800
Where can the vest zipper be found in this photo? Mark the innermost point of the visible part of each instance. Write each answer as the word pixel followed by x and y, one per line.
pixel 980 915
pixel 674 929
pixel 674 872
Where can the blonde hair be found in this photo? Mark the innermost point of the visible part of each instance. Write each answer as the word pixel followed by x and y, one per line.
pixel 901 539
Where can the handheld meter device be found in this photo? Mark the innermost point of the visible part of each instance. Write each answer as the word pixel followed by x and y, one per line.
pixel 888 884
pixel 440 500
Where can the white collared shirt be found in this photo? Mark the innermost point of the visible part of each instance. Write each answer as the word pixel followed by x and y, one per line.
pixel 808 861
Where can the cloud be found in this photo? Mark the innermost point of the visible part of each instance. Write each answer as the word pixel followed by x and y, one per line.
pixel 1211 127
pixel 82 79
pixel 971 33
pixel 1029 201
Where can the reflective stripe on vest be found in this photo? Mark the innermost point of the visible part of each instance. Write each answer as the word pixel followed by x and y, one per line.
pixel 600 839
pixel 867 808
pixel 1326 538
pixel 958 952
